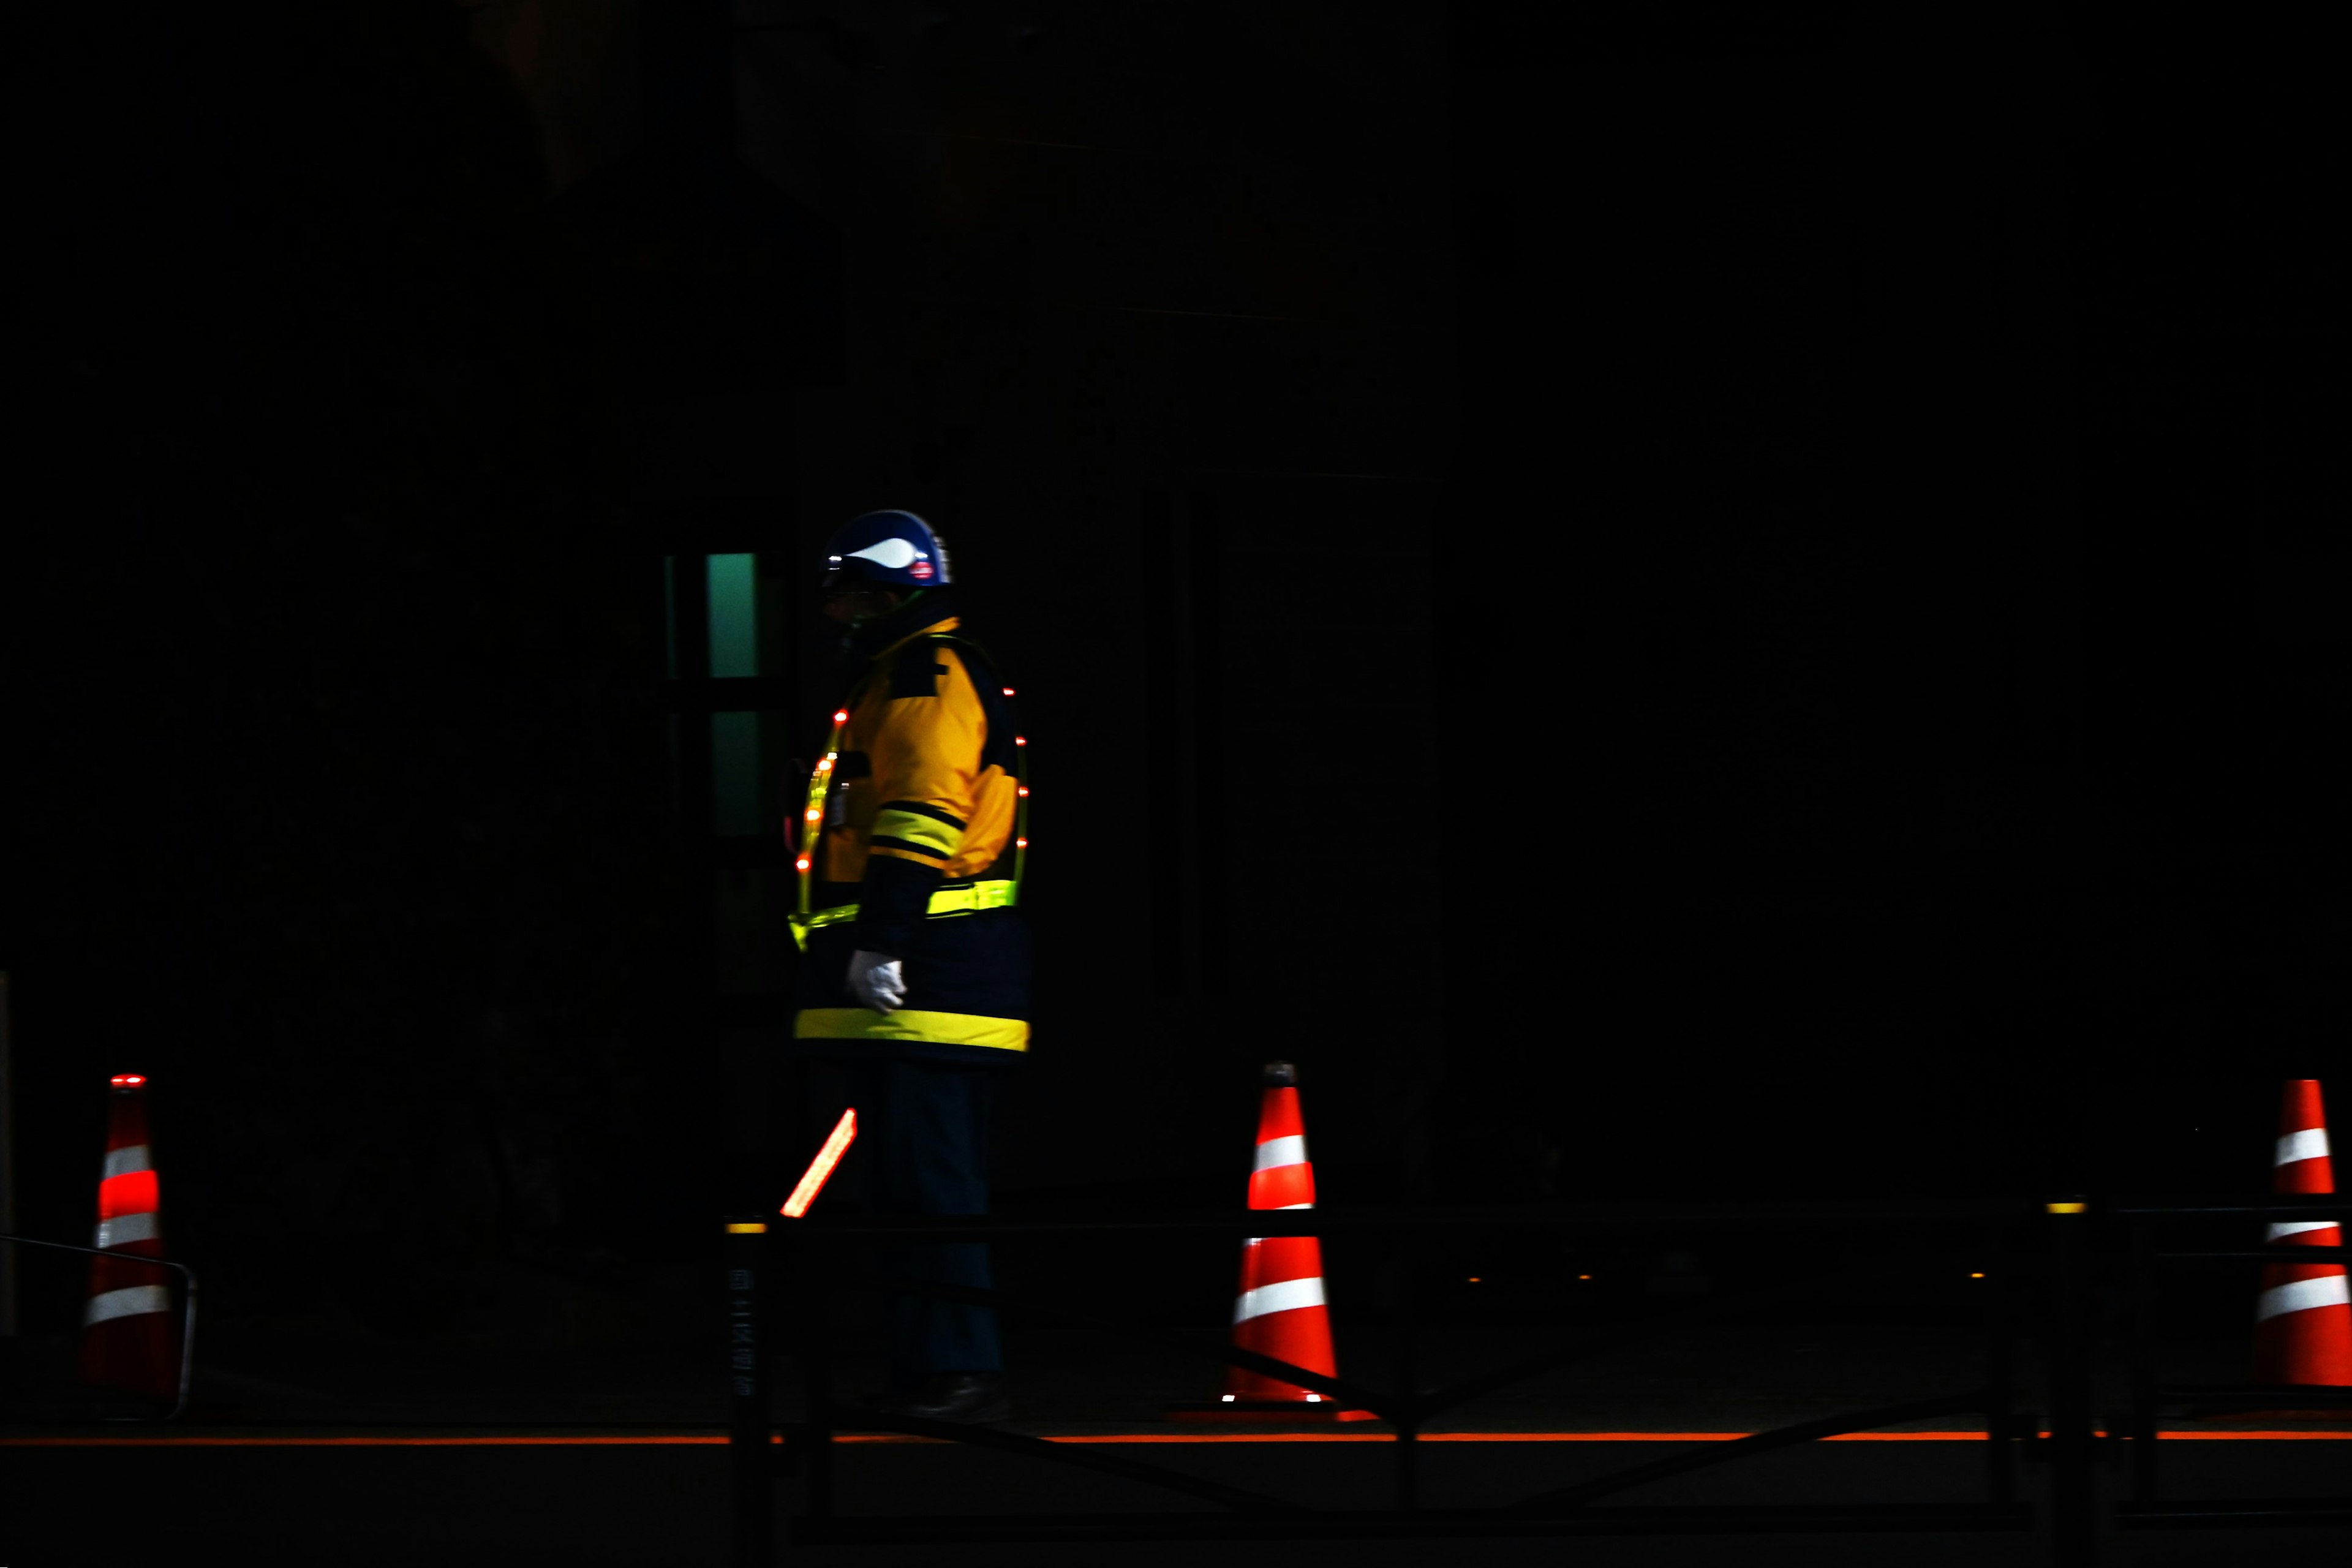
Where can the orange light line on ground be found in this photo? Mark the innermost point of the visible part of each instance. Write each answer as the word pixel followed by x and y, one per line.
pixel 714 1439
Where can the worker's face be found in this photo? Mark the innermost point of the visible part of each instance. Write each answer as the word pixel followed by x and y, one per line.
pixel 850 601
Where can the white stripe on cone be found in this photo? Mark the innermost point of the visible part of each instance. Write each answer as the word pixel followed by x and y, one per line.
pixel 2311 1143
pixel 2302 1295
pixel 130 1301
pixel 1281 1296
pixel 127 1227
pixel 2298 1227
pixel 126 1160
pixel 1275 1153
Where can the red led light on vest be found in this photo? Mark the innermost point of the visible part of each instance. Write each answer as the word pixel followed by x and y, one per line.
pixel 841 717
pixel 1008 691
pixel 128 1079
pixel 1025 791
pixel 1020 740
pixel 799 864
pixel 814 813
pixel 1021 844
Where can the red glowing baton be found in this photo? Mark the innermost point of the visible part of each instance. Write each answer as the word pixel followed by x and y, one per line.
pixel 813 1179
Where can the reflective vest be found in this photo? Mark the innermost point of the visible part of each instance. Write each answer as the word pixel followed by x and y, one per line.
pixel 914 835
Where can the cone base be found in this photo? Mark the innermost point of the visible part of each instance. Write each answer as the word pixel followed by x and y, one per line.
pixel 1265 1413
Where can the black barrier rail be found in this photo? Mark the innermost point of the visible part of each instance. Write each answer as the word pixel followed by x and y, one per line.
pixel 2139 1252
pixel 2066 1313
pixel 795 1258
pixel 188 1312
pixel 2064 1248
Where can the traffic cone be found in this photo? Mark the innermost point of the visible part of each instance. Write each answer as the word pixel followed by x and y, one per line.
pixel 1279 1309
pixel 129 1339
pixel 2303 1324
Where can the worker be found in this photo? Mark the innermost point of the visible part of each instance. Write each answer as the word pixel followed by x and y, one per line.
pixel 912 993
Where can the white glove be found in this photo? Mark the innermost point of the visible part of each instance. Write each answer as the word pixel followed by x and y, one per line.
pixel 877 980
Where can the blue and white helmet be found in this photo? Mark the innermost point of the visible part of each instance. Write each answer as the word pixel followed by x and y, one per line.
pixel 894 548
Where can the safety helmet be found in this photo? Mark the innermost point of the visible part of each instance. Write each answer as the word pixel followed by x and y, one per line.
pixel 896 547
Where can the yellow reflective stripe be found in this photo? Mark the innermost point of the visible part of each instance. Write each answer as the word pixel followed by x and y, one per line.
pixel 926 833
pixel 972 897
pixel 967 897
pixel 907 1024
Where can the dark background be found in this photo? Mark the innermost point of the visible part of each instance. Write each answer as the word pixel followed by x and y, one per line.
pixel 1719 599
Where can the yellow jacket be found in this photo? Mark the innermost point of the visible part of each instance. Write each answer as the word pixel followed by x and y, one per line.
pixel 917 778
pixel 919 808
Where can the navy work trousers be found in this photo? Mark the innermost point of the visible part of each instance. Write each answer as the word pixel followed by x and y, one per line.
pixel 921 1149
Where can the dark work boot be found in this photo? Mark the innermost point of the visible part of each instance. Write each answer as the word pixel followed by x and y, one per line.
pixel 977 1398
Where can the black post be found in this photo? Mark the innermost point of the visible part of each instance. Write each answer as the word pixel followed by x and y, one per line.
pixel 2074 1453
pixel 750 1423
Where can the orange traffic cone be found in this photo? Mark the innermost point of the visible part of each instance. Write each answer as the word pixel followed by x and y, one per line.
pixel 2302 1325
pixel 1280 1309
pixel 128 1337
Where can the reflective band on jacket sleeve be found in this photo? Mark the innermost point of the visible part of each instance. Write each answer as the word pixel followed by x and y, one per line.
pixel 130 1227
pixel 2302 1295
pixel 124 1160
pixel 130 1301
pixel 1282 1296
pixel 2311 1143
pixel 1276 1152
pixel 2299 1226
pixel 926 833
